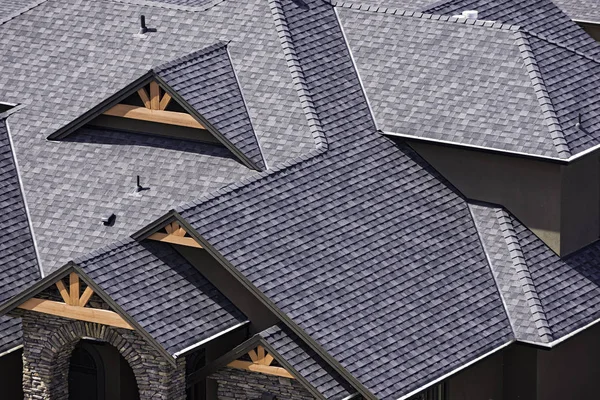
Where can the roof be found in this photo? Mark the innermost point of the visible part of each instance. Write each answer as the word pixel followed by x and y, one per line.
pixel 206 80
pixel 18 265
pixel 581 10
pixel 322 239
pixel 161 291
pixel 540 17
pixel 70 68
pixel 477 84
pixel 307 363
pixel 155 289
pixel 547 297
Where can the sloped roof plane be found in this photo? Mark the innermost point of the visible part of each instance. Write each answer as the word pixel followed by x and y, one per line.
pixel 474 83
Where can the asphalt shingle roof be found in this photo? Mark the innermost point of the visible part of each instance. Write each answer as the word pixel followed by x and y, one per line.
pixel 81 52
pixel 307 363
pixel 364 247
pixel 18 264
pixel 585 10
pixel 161 291
pixel 206 80
pixel 478 84
pixel 541 17
pixel 562 295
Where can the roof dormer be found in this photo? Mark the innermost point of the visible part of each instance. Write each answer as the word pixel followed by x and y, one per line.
pixel 196 97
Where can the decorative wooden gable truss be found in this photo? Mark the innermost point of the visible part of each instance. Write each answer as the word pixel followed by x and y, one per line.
pixel 154 109
pixel 75 305
pixel 173 233
pixel 260 362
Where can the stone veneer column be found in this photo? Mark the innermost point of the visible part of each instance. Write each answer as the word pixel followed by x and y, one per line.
pixel 48 342
pixel 236 384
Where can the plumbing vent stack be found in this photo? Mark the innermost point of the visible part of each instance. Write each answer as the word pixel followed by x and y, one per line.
pixel 470 14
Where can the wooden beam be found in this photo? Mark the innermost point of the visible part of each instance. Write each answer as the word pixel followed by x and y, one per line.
pixel 184 241
pixel 160 116
pixel 164 102
pixel 260 351
pixel 154 96
pixel 74 289
pixel 144 96
pixel 264 369
pixel 64 293
pixel 253 355
pixel 268 359
pixel 85 297
pixel 104 317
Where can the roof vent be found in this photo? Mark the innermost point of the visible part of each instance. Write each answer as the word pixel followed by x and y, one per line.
pixel 470 14
pixel 109 219
pixel 143 28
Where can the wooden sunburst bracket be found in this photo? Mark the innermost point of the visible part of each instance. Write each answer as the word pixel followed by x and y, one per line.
pixel 154 109
pixel 175 234
pixel 74 305
pixel 261 362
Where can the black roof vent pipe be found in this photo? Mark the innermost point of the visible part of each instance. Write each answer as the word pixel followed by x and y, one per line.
pixel 143 27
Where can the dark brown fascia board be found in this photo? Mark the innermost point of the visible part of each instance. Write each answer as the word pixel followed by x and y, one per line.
pixel 242 349
pixel 274 309
pixel 209 127
pixel 60 273
pixel 103 106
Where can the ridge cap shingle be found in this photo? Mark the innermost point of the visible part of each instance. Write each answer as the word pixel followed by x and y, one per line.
pixel 173 6
pixel 434 17
pixel 528 286
pixel 544 98
pixel 21 11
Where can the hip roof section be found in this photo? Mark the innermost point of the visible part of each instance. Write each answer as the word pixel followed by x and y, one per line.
pixel 474 83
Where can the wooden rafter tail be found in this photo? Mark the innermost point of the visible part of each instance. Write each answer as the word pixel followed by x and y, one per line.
pixel 253 356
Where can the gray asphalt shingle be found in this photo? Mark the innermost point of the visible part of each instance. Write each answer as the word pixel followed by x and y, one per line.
pixel 82 52
pixel 363 247
pixel 478 84
pixel 307 363
pixel 585 10
pixel 18 263
pixel 206 80
pixel 161 291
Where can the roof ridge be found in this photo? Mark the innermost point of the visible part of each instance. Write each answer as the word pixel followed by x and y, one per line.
pixel 434 17
pixel 548 110
pixel 298 77
pixel 21 11
pixel 563 46
pixel 186 57
pixel 518 259
pixel 171 6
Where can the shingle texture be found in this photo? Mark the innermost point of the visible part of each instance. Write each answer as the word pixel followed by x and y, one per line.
pixel 69 68
pixel 18 263
pixel 477 84
pixel 561 294
pixel 307 363
pixel 206 80
pixel 363 247
pixel 541 17
pixel 166 295
pixel 585 10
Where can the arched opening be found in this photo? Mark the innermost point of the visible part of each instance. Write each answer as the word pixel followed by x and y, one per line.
pixel 97 371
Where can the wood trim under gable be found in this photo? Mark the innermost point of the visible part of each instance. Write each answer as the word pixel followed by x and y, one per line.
pixel 261 362
pixel 175 234
pixel 64 310
pixel 160 116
